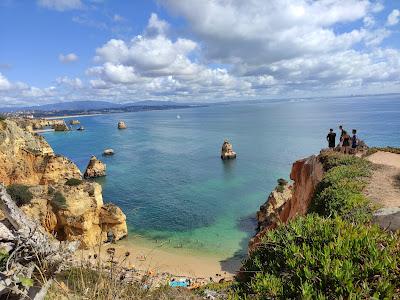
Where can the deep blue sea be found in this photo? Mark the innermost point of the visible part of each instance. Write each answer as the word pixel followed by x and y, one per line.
pixel 168 178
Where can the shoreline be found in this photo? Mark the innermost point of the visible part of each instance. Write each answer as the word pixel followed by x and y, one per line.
pixel 155 259
pixel 71 116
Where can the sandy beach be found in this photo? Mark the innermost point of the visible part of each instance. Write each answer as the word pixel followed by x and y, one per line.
pixel 156 259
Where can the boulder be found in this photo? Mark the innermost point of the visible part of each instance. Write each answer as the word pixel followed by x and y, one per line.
pixel 227 151
pixel 108 152
pixel 113 219
pixel 95 168
pixel 121 125
pixel 388 218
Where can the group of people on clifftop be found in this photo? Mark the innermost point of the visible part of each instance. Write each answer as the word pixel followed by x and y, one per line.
pixel 347 144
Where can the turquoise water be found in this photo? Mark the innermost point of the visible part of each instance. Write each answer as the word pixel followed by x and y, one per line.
pixel 168 178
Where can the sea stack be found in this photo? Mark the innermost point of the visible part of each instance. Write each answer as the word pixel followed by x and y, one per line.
pixel 121 125
pixel 95 168
pixel 74 122
pixel 61 127
pixel 227 151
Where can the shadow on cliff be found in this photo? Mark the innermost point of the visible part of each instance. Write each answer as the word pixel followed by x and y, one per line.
pixel 247 225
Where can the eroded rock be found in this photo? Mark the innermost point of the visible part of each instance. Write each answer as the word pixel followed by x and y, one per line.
pixel 95 168
pixel 227 151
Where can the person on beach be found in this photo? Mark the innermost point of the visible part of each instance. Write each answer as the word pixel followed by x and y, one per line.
pixel 331 138
pixel 345 142
pixel 354 141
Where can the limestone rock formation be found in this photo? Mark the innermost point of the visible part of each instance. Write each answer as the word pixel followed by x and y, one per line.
pixel 30 124
pixel 227 151
pixel 29 159
pixel 71 210
pixel 95 168
pixel 61 127
pixel 74 122
pixel 289 201
pixel 121 125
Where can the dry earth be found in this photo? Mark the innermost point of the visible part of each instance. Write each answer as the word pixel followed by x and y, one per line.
pixel 384 186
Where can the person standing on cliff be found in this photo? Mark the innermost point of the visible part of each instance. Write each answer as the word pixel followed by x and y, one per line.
pixel 354 141
pixel 331 138
pixel 345 143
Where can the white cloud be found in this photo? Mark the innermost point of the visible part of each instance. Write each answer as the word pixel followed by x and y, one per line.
pixel 118 18
pixel 4 83
pixel 67 58
pixel 257 31
pixel 393 17
pixel 61 5
pixel 70 82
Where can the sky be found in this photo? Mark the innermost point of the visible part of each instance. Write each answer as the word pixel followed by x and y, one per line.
pixel 196 50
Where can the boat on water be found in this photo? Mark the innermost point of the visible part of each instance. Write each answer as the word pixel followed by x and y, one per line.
pixel 178 117
pixel 81 128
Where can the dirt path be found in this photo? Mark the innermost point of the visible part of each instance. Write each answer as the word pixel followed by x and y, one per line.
pixel 384 186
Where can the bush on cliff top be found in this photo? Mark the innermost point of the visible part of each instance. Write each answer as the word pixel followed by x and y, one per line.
pixel 20 193
pixel 314 257
pixel 340 191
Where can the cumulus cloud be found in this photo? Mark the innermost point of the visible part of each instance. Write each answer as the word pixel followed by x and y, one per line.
pixel 70 82
pixel 61 5
pixel 4 83
pixel 67 58
pixel 268 31
pixel 393 17
pixel 239 50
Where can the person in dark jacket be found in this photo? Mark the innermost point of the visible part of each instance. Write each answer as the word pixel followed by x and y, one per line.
pixel 331 138
pixel 354 140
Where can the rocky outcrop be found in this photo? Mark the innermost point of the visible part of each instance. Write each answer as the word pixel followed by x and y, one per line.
pixel 31 125
pixel 227 151
pixel 29 159
pixel 95 168
pixel 72 210
pixel 74 122
pixel 121 125
pixel 61 127
pixel 289 201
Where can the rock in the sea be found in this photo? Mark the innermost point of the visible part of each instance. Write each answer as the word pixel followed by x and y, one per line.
pixel 227 151
pixel 108 152
pixel 61 127
pixel 95 168
pixel 74 122
pixel 121 125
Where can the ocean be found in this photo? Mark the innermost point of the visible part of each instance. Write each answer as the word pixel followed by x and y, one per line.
pixel 168 178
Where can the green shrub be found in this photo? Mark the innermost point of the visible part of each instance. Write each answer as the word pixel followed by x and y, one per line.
pixel 3 259
pixel 340 191
pixel 20 193
pixel 73 182
pixel 313 257
pixel 59 200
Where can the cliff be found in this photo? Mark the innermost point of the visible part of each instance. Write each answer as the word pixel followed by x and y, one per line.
pixel 288 201
pixel 65 205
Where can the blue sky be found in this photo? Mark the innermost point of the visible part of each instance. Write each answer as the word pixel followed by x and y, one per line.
pixel 211 50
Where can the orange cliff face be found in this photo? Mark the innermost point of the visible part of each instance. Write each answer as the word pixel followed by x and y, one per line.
pixel 292 200
pixel 70 212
